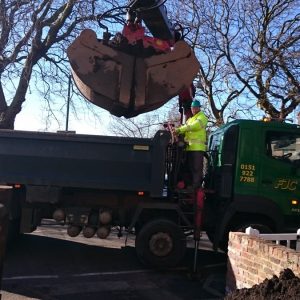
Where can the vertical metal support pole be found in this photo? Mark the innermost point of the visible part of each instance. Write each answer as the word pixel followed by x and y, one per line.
pixel 199 196
pixel 68 102
pixel 195 256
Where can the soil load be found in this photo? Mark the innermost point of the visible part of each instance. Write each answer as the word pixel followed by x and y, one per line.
pixel 287 286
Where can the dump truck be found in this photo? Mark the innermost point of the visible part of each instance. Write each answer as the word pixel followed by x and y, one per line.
pixel 91 184
pixel 94 183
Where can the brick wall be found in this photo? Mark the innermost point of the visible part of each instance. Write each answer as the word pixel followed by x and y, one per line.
pixel 251 260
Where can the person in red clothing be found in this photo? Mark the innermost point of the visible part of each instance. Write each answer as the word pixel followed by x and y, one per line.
pixel 185 99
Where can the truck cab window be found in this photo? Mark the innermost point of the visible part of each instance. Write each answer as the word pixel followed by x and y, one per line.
pixel 284 147
pixel 213 148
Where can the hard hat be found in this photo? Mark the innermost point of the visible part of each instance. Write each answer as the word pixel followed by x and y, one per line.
pixel 195 103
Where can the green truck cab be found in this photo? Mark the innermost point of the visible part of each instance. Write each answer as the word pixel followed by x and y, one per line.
pixel 253 179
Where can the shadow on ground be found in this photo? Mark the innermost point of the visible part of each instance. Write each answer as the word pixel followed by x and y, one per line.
pixel 43 267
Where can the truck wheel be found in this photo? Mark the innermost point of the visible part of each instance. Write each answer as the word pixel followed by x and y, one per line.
pixel 160 243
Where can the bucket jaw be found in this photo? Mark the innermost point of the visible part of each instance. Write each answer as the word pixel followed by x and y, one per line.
pixel 128 85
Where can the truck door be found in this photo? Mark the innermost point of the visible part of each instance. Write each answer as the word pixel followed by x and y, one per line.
pixel 280 173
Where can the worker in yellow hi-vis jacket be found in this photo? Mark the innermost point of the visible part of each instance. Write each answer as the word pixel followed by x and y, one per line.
pixel 194 132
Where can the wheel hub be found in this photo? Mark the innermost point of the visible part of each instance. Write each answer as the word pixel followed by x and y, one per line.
pixel 161 244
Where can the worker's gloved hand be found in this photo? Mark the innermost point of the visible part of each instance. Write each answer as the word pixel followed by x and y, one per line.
pixel 182 129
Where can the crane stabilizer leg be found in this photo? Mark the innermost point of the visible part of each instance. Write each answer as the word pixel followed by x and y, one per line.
pixel 198 220
pixel 128 85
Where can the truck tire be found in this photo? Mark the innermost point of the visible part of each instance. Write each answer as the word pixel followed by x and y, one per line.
pixel 160 244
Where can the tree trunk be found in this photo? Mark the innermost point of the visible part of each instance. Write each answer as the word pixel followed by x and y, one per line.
pixel 7 118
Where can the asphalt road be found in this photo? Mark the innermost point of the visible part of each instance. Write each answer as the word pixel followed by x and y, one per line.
pixel 50 265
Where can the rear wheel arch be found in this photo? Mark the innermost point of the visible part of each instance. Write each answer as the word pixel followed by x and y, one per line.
pixel 146 213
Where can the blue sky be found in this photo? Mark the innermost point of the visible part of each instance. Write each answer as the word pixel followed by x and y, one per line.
pixel 32 117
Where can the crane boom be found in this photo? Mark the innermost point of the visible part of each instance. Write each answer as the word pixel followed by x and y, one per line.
pixel 155 18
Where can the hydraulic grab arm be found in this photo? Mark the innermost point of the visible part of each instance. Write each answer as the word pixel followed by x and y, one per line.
pixel 154 17
pixel 133 73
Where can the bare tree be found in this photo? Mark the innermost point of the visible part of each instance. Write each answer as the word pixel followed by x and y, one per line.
pixel 33 38
pixel 146 125
pixel 249 54
pixel 141 127
pixel 249 51
pixel 273 30
pixel 206 20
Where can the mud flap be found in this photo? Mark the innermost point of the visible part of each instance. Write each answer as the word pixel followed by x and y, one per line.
pixel 128 85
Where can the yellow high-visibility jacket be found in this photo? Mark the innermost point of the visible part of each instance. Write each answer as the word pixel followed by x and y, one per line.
pixel 194 132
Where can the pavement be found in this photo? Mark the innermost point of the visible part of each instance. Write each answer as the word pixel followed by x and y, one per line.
pixel 49 264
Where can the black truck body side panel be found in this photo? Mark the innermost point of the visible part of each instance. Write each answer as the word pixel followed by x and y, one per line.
pixel 85 161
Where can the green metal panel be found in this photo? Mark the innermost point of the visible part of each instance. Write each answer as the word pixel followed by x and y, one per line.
pixel 257 171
